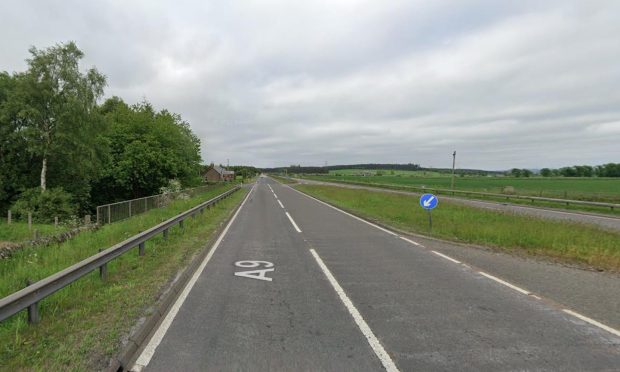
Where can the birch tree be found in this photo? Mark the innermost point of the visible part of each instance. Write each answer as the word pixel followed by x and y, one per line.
pixel 57 101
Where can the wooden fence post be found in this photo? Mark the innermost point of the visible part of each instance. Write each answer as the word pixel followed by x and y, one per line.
pixel 56 221
pixel 9 217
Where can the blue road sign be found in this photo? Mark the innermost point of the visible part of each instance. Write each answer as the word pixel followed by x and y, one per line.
pixel 428 201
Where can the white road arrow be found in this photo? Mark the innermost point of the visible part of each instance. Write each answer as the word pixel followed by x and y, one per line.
pixel 427 202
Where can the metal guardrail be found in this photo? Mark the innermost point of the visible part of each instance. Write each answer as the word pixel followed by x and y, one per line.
pixel 493 195
pixel 29 297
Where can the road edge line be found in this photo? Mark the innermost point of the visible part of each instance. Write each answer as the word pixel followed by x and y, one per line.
pixel 503 282
pixel 374 342
pixel 593 322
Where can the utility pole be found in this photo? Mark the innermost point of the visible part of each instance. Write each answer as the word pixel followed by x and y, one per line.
pixel 453 166
pixel 227 163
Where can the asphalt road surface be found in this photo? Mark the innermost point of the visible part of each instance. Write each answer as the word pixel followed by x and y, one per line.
pixel 295 285
pixel 606 222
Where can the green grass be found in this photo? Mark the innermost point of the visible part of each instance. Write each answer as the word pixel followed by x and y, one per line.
pixel 18 232
pixel 592 189
pixel 560 240
pixel 81 325
pixel 283 179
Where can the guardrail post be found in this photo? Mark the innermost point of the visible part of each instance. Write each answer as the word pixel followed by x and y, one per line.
pixel 103 270
pixel 33 310
pixel 166 234
pixel 141 249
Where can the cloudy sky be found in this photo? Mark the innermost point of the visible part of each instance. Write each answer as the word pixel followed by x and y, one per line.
pixel 279 82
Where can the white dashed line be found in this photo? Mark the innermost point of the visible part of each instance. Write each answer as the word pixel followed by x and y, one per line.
pixel 412 242
pixel 593 322
pixel 446 257
pixel 293 222
pixel 279 202
pixel 376 346
pixel 521 290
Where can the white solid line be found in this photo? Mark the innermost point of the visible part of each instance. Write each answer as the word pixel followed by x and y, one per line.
pixel 446 257
pixel 376 346
pixel 293 222
pixel 412 242
pixel 279 202
pixel 505 283
pixel 593 322
pixel 148 352
pixel 347 213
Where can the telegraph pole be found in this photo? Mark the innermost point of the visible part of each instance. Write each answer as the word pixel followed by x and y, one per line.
pixel 453 166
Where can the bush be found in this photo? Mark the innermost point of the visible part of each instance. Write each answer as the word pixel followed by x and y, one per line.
pixel 44 206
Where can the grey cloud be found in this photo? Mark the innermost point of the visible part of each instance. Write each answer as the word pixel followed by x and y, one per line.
pixel 528 84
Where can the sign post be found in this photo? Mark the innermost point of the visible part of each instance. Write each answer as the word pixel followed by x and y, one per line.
pixel 429 202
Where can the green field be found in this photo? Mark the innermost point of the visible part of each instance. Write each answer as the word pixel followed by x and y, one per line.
pixel 592 189
pixel 565 241
pixel 81 325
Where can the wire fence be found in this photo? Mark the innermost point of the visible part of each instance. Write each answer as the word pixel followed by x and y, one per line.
pixel 119 211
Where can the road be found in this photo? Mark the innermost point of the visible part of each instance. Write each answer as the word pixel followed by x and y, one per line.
pixel 606 222
pixel 294 284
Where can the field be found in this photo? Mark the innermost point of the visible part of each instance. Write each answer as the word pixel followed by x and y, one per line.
pixel 592 189
pixel 564 241
pixel 81 325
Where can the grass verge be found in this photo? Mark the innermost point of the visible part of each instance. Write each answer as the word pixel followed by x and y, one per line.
pixel 542 204
pixel 81 325
pixel 565 241
pixel 18 232
pixel 283 180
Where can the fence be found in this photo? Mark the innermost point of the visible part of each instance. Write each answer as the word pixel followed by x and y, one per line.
pixel 29 297
pixel 113 212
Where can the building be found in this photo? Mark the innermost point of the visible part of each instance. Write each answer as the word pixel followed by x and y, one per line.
pixel 218 174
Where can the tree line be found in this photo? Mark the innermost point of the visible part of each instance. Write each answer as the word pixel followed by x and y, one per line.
pixel 62 153
pixel 605 170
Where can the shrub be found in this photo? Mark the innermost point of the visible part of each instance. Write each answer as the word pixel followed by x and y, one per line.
pixel 46 205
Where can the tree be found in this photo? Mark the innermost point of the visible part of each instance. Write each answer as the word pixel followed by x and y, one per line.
pixel 57 103
pixel 545 172
pixel 515 172
pixel 146 150
pixel 526 172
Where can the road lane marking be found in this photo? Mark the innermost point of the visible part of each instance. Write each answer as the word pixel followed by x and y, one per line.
pixel 593 322
pixel 412 242
pixel 279 202
pixel 518 289
pixel 259 274
pixel 376 346
pixel 293 222
pixel 347 213
pixel 446 257
pixel 148 352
